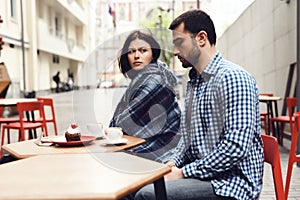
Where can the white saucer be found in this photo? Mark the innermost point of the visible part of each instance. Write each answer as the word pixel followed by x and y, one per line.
pixel 121 141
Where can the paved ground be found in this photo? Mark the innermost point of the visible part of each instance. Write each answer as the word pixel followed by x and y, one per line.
pixel 96 105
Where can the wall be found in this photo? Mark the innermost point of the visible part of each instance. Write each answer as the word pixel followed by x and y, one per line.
pixel 263 41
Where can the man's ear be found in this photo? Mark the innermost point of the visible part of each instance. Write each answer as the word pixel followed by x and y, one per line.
pixel 201 38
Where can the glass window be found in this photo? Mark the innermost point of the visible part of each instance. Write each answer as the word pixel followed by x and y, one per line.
pixel 13 9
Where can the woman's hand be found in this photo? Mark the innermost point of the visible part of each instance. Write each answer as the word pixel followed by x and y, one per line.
pixel 176 173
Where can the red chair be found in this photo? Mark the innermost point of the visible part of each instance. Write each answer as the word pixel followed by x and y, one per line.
pixel 264 115
pixel 4 120
pixel 272 156
pixel 48 102
pixel 291 103
pixel 26 123
pixel 293 157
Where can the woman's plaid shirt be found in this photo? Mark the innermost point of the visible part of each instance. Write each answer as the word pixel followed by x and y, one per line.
pixel 149 109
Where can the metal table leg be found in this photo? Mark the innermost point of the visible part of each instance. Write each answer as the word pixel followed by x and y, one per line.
pixel 160 189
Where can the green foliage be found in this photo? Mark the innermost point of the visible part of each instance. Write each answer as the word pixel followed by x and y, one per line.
pixel 157 22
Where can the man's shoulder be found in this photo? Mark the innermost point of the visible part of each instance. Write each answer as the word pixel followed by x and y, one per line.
pixel 228 67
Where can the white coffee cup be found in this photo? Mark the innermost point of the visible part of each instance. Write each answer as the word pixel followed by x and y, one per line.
pixel 95 129
pixel 113 134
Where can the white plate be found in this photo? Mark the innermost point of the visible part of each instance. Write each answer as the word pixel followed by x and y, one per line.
pixel 121 141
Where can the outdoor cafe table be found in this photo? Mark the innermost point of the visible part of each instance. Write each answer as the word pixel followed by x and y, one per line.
pixel 14 101
pixel 270 109
pixel 28 148
pixel 80 176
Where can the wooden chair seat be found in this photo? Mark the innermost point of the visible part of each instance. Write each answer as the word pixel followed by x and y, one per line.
pixel 291 103
pixel 26 125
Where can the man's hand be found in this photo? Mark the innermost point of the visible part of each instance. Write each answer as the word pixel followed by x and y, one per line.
pixel 176 173
pixel 171 163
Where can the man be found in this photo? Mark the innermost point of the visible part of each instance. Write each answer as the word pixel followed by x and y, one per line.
pixel 56 79
pixel 221 153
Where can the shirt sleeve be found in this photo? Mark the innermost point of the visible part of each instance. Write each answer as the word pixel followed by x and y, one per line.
pixel 180 154
pixel 238 98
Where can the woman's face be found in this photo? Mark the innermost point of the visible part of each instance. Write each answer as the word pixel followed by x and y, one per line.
pixel 139 54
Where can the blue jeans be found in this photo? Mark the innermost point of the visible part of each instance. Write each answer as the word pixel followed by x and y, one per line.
pixel 182 189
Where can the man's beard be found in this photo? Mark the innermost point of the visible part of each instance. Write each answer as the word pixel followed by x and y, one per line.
pixel 192 61
pixel 184 62
pixel 192 58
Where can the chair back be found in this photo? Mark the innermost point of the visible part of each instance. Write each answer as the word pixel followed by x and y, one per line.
pixel 295 134
pixel 291 103
pixel 26 112
pixel 48 102
pixel 293 156
pixel 272 156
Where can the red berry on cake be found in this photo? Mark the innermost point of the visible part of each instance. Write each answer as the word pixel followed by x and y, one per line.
pixel 73 125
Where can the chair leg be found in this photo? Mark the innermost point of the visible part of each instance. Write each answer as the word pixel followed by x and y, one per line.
pixel 29 137
pixel 22 133
pixel 3 134
pixel 55 128
pixel 8 136
pixel 288 178
pixel 20 137
pixel 45 130
pixel 44 134
pixel 266 126
pixel 281 132
pixel 275 132
pixel 272 128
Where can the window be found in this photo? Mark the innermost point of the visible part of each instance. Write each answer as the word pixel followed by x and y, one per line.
pixel 41 9
pixel 58 26
pixel 13 9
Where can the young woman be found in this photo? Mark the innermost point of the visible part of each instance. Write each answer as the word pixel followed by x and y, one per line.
pixel 149 108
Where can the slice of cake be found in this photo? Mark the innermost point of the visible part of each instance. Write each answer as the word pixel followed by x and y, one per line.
pixel 73 133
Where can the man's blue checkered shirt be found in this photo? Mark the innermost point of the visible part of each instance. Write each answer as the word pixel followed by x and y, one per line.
pixel 223 144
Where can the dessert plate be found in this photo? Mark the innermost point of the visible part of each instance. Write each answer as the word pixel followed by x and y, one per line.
pixel 61 141
pixel 120 141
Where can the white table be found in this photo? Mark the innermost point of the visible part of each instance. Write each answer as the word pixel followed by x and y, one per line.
pixel 80 176
pixel 14 101
pixel 270 100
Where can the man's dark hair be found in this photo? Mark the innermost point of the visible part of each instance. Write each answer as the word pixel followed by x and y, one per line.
pixel 196 21
pixel 123 59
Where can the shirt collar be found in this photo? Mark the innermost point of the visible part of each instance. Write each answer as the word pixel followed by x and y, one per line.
pixel 210 69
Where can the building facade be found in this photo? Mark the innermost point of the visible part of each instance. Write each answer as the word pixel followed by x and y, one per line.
pixel 44 37
pixel 80 38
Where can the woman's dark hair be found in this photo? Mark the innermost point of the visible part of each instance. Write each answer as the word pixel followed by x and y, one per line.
pixel 196 21
pixel 123 58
